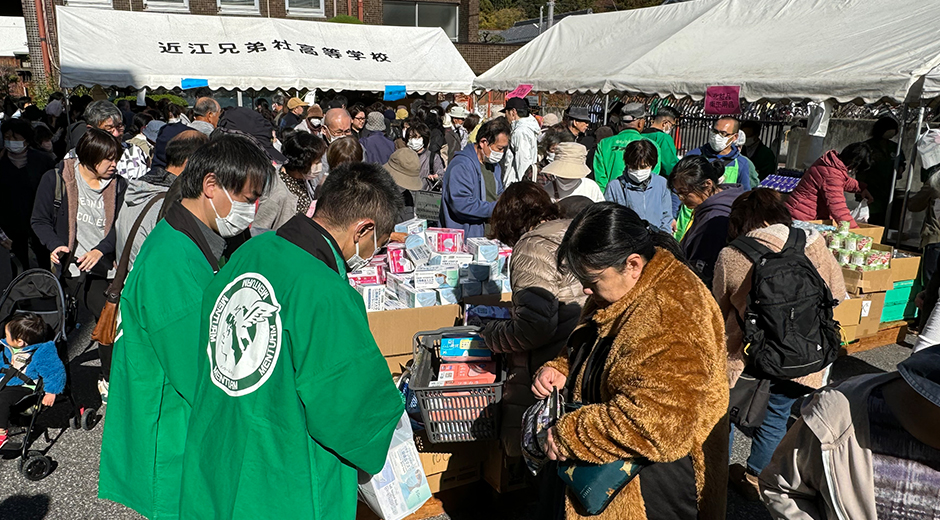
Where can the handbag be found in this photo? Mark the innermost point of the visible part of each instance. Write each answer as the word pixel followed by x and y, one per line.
pixel 748 401
pixel 106 328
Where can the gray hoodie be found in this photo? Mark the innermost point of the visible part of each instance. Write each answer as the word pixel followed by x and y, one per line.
pixel 139 192
pixel 523 152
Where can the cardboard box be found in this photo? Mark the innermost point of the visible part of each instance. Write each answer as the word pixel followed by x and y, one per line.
pixel 394 330
pixel 848 312
pixel 450 465
pixel 868 230
pixel 905 268
pixel 857 282
pixel 396 362
pixel 849 334
pixel 500 300
pixel 870 318
pixel 503 473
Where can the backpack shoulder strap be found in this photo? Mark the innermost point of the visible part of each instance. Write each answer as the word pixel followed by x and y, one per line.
pixel 117 284
pixel 751 248
pixel 796 239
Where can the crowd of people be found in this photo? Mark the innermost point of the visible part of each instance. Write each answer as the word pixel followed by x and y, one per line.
pixel 243 360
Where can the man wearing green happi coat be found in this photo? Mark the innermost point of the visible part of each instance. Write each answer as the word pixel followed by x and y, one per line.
pixel 293 397
pixel 153 373
pixel 608 159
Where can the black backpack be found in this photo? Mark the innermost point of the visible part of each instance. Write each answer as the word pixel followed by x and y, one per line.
pixel 789 330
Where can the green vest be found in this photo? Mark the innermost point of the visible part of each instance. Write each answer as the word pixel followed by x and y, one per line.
pixel 608 159
pixel 684 220
pixel 292 393
pixel 153 375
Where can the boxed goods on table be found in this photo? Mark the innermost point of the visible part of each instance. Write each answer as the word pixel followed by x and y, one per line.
pixel 464 349
pixel 848 312
pixel 899 302
pixel 874 232
pixel 870 320
pixel 417 249
pixel 459 374
pixel 904 266
pixel 373 295
pixel 442 240
pixel 414 226
pixel 436 276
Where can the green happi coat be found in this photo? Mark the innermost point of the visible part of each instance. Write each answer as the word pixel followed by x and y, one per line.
pixel 153 371
pixel 292 393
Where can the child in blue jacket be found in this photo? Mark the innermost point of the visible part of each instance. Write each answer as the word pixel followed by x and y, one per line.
pixel 24 351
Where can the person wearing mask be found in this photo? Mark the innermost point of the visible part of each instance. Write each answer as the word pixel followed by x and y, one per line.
pixel 567 174
pixel 206 113
pixel 155 366
pixel 336 125
pixel 294 189
pixel 455 135
pixel 405 168
pixel 140 192
pixel 699 185
pixel 293 284
pixel 105 116
pixel 432 165
pixel 344 151
pixel 358 119
pixel 548 148
pixel 722 146
pixel 313 122
pixel 520 161
pixel 866 448
pixel 473 180
pixel 21 169
pixel 577 121
pixel 608 160
pixel 642 191
pixel 646 319
pixel 660 132
pixel 761 215
pixel 880 175
pixel 820 194
pixel 296 109
pixel 761 156
pixel 546 301
pixel 78 229
pixel 376 146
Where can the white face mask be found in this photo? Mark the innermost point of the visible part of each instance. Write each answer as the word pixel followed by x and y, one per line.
pixel 314 173
pixel 332 138
pixel 717 142
pixel 277 144
pixel 356 262
pixel 494 157
pixel 15 146
pixel 416 144
pixel 550 156
pixel 314 122
pixel 639 176
pixel 238 219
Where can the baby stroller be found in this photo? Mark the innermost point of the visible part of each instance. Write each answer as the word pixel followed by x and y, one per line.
pixel 38 291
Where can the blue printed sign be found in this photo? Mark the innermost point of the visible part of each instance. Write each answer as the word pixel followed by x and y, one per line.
pixel 194 83
pixel 394 92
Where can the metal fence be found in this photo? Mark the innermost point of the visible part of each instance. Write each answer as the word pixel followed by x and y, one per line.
pixel 693 132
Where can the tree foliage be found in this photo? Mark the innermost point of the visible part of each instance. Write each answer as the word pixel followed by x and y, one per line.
pixel 501 19
pixel 502 14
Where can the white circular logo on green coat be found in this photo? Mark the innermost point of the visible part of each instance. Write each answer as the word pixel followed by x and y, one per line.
pixel 244 335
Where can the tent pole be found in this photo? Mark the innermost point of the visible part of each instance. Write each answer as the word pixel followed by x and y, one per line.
pixel 897 164
pixel 68 109
pixel 238 97
pixel 606 107
pixel 910 175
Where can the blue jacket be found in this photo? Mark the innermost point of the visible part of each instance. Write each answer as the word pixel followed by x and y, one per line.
pixel 708 234
pixel 651 200
pixel 744 164
pixel 44 363
pixel 377 148
pixel 463 201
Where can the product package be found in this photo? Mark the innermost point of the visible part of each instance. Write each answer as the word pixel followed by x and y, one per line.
pixel 415 226
pixel 458 374
pixel 401 488
pixel 398 261
pixel 458 349
pixel 368 275
pixel 443 240
pixel 448 296
pixel 482 249
pixel 436 276
pixel 373 296
pixel 415 298
pixel 418 251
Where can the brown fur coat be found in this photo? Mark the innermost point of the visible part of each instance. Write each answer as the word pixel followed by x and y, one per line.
pixel 665 388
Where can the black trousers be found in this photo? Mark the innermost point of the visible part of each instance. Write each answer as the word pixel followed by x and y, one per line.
pixel 9 396
pixel 90 291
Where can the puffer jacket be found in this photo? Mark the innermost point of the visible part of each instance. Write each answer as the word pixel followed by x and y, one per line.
pixel 661 394
pixel 820 193
pixel 523 152
pixel 732 284
pixel 545 309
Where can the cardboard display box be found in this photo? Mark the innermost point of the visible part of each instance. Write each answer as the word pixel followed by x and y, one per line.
pixel 870 320
pixel 875 232
pixel 857 282
pixel 903 269
pixel 503 473
pixel 848 312
pixel 450 465
pixel 849 334
pixel 394 330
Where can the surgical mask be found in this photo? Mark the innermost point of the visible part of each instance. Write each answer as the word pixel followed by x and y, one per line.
pixel 15 146
pixel 550 156
pixel 639 176
pixel 567 185
pixel 238 219
pixel 494 157
pixel 416 144
pixel 277 145
pixel 356 262
pixel 717 142
pixel 332 139
pixel 314 122
pixel 314 173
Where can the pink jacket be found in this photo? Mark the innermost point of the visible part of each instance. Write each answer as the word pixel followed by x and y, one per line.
pixel 819 195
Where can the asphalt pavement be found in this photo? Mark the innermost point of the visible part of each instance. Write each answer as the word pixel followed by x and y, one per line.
pixel 70 491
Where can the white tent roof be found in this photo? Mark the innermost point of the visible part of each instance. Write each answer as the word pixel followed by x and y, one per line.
pixel 296 54
pixel 773 49
pixel 13 36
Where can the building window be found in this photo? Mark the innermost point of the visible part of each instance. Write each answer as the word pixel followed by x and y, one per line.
pixel 422 14
pixel 88 3
pixel 305 8
pixel 170 6
pixel 238 7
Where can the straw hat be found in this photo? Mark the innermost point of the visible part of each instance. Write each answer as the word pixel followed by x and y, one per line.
pixel 405 167
pixel 569 162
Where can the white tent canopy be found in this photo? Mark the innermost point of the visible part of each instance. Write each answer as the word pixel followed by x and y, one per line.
pixel 13 36
pixel 773 49
pixel 245 52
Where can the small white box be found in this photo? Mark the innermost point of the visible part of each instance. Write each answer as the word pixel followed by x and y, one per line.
pixel 373 296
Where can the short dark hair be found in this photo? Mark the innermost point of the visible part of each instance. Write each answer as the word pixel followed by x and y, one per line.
pixel 493 128
pixel 666 112
pixel 519 209
pixel 236 160
pixel 753 125
pixel 522 111
pixel 182 146
pixel 856 157
pixel 755 209
pixel 355 109
pixel 95 146
pixel 692 172
pixel 342 151
pixel 140 121
pixel 418 127
pixel 471 122
pixel 355 191
pixel 641 153
pixel 737 122
pixel 29 327
pixel 302 149
pixel 883 124
pixel 20 127
pixel 205 106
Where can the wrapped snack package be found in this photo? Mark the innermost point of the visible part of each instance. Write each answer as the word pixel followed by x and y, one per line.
pixel 835 241
pixel 864 243
pixel 851 242
pixel 844 226
pixel 844 257
pixel 858 258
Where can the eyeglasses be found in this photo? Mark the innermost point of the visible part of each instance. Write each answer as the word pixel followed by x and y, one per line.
pixel 360 118
pixel 721 133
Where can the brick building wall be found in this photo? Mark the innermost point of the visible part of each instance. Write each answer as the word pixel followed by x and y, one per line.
pixel 482 56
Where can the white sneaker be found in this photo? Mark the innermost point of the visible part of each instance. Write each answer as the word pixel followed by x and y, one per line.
pixel 103 390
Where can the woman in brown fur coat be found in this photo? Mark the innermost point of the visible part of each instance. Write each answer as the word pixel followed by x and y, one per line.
pixel 654 382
